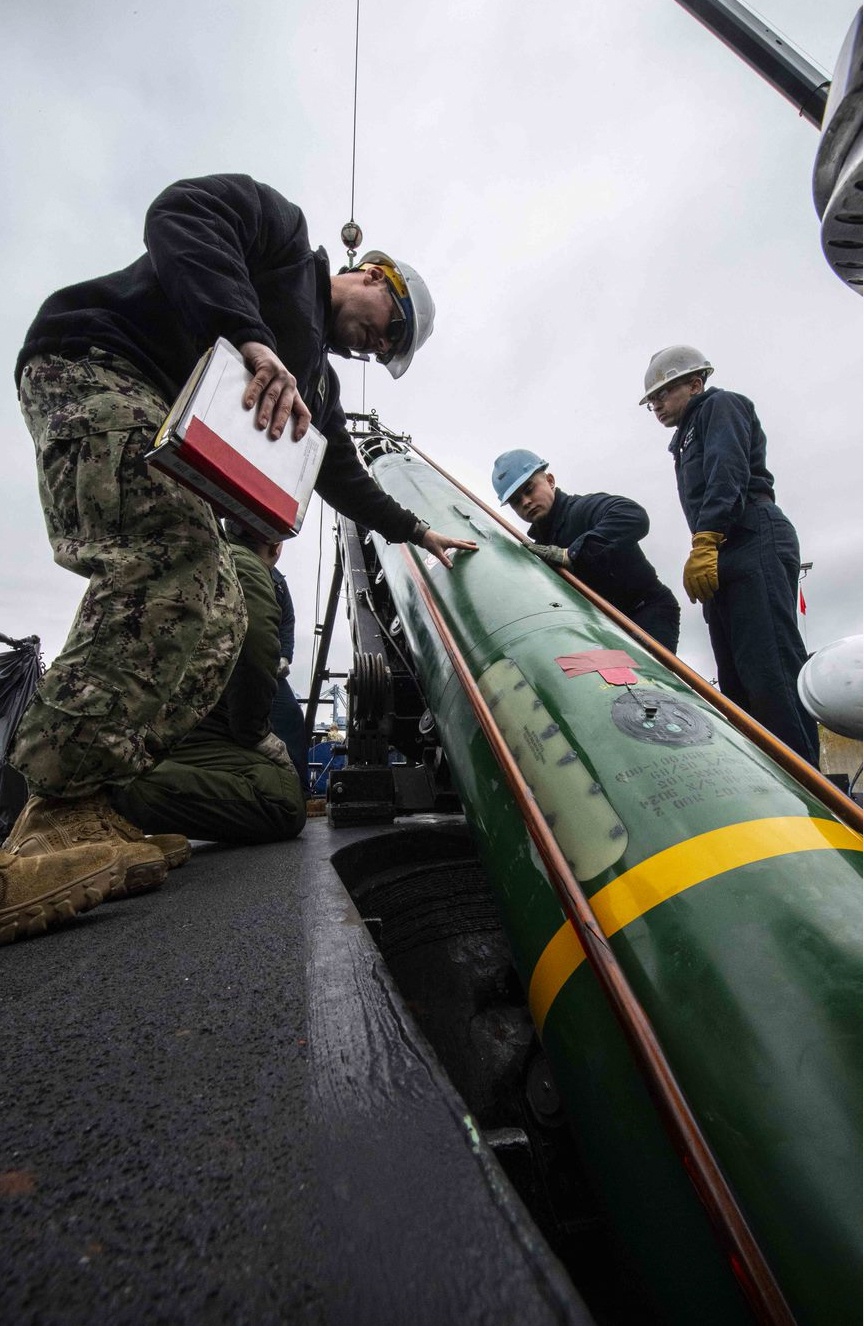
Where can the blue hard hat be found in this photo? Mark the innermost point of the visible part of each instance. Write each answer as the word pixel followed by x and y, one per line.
pixel 512 469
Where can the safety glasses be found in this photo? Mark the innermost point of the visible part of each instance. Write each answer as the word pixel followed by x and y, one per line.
pixel 397 329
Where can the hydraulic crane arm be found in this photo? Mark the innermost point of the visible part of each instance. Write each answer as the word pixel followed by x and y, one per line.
pixel 766 52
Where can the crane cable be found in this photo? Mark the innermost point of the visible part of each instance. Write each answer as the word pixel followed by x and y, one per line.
pixel 351 236
pixel 354 127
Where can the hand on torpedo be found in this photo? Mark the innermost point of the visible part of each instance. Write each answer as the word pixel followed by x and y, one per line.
pixel 548 553
pixel 274 390
pixel 437 544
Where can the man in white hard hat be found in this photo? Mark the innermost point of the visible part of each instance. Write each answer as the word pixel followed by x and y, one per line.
pixel 163 620
pixel 744 561
pixel 594 535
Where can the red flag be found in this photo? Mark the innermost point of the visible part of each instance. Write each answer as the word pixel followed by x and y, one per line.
pixel 802 606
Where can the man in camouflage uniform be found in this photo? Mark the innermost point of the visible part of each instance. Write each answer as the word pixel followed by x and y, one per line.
pixel 163 619
pixel 161 631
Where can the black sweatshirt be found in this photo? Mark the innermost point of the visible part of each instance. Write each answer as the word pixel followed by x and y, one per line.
pixel 229 257
pixel 601 533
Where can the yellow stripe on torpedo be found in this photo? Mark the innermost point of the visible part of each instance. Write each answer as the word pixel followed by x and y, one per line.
pixel 672 871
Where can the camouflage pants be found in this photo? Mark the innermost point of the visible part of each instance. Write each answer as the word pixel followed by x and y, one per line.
pixel 161 624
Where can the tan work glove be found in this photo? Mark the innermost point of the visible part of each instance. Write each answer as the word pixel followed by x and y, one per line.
pixel 275 750
pixel 700 570
pixel 548 553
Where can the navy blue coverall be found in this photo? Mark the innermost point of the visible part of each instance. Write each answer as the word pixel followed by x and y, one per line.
pixel 724 485
pixel 601 533
pixel 286 716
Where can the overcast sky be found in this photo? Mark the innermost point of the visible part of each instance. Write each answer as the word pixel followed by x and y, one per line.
pixel 580 184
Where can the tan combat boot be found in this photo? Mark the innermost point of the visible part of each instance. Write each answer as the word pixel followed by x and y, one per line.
pixel 175 848
pixel 41 891
pixel 49 824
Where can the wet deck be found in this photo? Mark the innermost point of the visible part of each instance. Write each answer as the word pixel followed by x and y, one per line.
pixel 216 1108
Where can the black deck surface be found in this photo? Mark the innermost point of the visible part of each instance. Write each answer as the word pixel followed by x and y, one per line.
pixel 215 1108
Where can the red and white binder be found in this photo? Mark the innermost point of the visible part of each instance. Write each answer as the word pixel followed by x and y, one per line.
pixel 210 443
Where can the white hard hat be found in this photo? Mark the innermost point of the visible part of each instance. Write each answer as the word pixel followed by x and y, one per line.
pixel 829 685
pixel 676 361
pixel 412 295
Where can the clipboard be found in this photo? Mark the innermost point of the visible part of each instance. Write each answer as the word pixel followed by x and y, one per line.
pixel 209 443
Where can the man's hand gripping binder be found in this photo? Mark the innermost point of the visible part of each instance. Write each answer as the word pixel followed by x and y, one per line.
pixel 210 443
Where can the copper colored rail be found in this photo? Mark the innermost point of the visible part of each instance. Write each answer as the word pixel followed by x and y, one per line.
pixel 815 782
pixel 745 1257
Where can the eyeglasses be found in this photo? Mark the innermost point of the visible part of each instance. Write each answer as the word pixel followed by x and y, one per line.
pixel 659 396
pixel 396 330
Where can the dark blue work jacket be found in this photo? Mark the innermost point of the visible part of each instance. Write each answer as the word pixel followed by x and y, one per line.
pixel 719 454
pixel 286 611
pixel 601 533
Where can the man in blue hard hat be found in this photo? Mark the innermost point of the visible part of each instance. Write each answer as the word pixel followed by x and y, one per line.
pixel 594 535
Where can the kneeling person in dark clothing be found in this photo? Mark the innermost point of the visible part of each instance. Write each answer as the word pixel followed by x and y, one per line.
pixel 231 779
pixel 595 535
